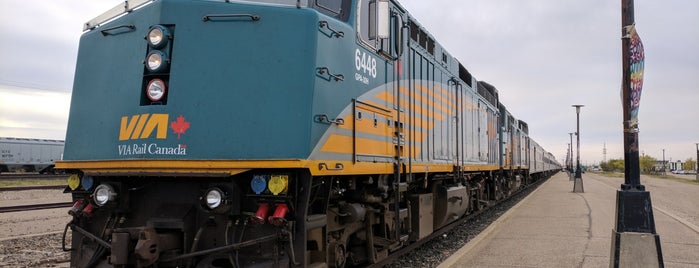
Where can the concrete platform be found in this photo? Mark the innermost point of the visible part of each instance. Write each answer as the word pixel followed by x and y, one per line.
pixel 555 227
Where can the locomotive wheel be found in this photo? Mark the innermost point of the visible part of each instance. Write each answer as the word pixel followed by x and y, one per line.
pixel 498 191
pixel 338 258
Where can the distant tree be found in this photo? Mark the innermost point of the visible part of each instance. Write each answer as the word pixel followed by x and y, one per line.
pixel 689 164
pixel 612 165
pixel 647 163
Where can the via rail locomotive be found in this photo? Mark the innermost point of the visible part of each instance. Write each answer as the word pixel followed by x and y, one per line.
pixel 277 133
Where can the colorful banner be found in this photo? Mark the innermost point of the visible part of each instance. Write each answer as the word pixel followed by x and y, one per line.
pixel 636 61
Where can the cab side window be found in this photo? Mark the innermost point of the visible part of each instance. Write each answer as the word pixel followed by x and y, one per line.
pixel 367 25
pixel 335 8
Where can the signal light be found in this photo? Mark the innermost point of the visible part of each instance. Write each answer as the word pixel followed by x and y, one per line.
pixel 156 71
pixel 158 36
pixel 157 61
pixel 156 89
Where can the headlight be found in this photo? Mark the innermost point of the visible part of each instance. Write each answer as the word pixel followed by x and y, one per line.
pixel 214 198
pixel 156 61
pixel 104 193
pixel 156 89
pixel 158 36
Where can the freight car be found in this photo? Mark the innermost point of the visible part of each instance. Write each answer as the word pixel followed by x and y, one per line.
pixel 29 155
pixel 285 133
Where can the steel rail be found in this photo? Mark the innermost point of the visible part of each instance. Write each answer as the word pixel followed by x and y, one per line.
pixel 27 188
pixel 35 207
pixel 12 176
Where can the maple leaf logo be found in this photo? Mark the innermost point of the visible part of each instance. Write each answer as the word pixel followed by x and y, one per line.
pixel 179 126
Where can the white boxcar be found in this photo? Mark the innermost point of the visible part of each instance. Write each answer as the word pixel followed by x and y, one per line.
pixel 30 155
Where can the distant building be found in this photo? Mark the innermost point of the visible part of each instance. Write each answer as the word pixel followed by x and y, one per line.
pixel 679 165
pixel 659 165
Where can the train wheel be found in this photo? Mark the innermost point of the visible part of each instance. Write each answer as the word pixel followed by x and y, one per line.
pixel 498 191
pixel 338 258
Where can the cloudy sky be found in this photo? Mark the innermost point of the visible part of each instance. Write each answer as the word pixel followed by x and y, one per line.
pixel 542 55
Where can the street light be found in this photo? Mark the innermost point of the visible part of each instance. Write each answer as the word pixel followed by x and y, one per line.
pixel 577 181
pixel 578 170
pixel 664 168
pixel 570 169
pixel 697 162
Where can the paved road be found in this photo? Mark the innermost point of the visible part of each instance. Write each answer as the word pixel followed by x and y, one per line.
pixel 557 228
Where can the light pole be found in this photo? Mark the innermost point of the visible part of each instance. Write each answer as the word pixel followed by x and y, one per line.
pixel 571 152
pixel 568 156
pixel 577 181
pixel 664 168
pixel 635 242
pixel 697 162
pixel 578 170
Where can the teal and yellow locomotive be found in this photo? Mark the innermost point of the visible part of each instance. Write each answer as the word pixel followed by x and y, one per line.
pixel 277 133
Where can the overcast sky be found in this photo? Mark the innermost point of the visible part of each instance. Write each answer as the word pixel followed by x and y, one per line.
pixel 542 55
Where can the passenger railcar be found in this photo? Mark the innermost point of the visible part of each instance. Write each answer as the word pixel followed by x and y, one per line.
pixel 277 133
pixel 29 155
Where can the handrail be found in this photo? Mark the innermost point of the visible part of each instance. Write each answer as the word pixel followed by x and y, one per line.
pixel 127 6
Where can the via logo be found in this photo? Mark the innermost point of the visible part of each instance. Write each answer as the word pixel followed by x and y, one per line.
pixel 144 125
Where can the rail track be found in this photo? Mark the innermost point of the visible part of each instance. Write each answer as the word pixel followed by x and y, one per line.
pixel 27 188
pixel 410 248
pixel 18 176
pixel 35 207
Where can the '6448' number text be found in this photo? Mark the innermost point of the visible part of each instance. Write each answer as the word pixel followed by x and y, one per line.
pixel 365 63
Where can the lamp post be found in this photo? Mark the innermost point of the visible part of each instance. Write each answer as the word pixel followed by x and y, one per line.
pixel 568 156
pixel 571 152
pixel 578 170
pixel 664 168
pixel 697 162
pixel 578 185
pixel 635 242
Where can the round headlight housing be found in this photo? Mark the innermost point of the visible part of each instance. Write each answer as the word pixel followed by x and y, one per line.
pixel 156 61
pixel 213 198
pixel 103 194
pixel 158 36
pixel 156 89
